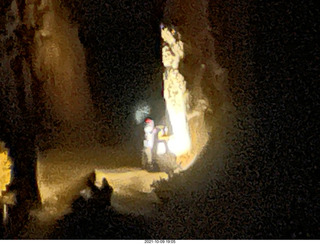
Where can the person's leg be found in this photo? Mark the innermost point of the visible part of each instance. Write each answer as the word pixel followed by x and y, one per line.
pixel 149 154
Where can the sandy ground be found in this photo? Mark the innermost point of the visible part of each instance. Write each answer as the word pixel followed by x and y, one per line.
pixel 62 175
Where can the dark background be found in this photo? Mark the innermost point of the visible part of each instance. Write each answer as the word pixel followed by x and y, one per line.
pixel 272 52
pixel 122 41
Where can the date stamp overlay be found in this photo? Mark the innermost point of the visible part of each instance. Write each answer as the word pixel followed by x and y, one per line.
pixel 159 241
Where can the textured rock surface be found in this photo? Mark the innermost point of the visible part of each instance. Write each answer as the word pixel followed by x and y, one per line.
pixel 5 167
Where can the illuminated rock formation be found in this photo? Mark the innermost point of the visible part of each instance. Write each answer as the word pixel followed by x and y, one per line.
pixel 5 168
pixel 174 91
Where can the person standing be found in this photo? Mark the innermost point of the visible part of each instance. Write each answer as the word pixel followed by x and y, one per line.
pixel 149 140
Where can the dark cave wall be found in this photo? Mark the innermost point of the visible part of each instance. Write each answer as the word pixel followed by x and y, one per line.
pixel 18 123
pixel 268 188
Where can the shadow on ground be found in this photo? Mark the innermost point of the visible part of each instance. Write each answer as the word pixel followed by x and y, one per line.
pixel 94 218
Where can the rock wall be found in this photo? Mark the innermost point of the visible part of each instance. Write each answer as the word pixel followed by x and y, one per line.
pixel 205 92
pixel 10 111
pixel 5 167
pixel 59 63
pixel 174 90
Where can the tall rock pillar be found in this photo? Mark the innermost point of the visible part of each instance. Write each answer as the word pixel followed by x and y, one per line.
pixel 174 91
